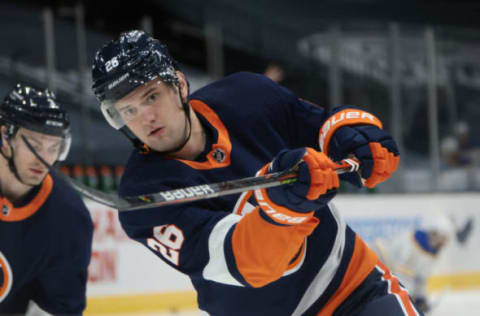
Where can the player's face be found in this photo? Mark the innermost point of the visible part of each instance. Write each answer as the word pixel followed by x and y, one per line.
pixel 30 169
pixel 156 114
pixel 438 240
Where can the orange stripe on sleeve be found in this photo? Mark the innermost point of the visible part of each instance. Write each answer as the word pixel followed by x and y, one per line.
pixel 241 204
pixel 263 251
pixel 6 275
pixel 396 289
pixel 363 261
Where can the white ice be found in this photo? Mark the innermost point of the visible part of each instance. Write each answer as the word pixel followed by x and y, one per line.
pixel 458 303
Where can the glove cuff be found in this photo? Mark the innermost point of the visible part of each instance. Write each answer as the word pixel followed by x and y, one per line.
pixel 278 213
pixel 343 118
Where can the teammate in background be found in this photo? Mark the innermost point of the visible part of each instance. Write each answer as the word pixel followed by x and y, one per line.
pixel 277 251
pixel 458 149
pixel 45 229
pixel 275 72
pixel 412 255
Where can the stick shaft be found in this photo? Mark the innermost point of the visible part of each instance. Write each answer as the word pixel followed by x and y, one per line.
pixel 199 192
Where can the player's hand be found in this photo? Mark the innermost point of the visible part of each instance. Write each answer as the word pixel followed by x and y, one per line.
pixel 364 138
pixel 464 233
pixel 316 184
pixel 422 303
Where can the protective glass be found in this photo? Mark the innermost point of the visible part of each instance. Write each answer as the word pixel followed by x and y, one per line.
pixel 41 151
pixel 119 117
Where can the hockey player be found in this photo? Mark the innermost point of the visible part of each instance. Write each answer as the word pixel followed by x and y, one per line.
pixel 45 229
pixel 276 251
pixel 413 255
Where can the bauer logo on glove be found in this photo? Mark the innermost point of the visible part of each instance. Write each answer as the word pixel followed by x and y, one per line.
pixel 355 132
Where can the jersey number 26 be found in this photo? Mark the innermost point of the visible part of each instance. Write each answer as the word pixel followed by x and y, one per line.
pixel 167 240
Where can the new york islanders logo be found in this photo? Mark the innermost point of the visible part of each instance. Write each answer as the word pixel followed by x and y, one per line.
pixel 6 278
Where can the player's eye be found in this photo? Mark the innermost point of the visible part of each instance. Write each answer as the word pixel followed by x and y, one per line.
pixel 37 148
pixel 35 145
pixel 54 149
pixel 129 113
pixel 152 98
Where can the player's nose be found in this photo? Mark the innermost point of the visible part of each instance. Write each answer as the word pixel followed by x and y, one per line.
pixel 148 115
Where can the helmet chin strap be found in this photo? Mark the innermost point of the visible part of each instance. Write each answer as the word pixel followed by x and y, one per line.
pixel 30 147
pixel 11 164
pixel 34 152
pixel 187 133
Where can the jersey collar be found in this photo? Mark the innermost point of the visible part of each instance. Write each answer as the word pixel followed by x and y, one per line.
pixel 10 213
pixel 219 154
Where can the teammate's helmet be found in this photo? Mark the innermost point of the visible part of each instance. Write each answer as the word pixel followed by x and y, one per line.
pixel 439 223
pixel 38 111
pixel 126 63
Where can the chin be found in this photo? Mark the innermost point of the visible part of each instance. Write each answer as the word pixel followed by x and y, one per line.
pixel 159 147
pixel 34 180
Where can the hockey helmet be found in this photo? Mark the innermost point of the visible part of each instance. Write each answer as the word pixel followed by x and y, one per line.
pixel 439 223
pixel 124 64
pixel 36 110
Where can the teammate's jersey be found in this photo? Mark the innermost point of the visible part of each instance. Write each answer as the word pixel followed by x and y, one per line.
pixel 240 261
pixel 45 248
pixel 409 259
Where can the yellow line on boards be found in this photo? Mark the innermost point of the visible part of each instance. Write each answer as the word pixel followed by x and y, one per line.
pixel 461 281
pixel 144 303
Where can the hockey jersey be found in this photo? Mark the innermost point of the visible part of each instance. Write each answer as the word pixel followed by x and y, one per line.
pixel 410 258
pixel 45 248
pixel 240 261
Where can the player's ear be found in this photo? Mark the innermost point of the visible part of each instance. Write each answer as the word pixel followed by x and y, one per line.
pixel 3 131
pixel 183 85
pixel 3 138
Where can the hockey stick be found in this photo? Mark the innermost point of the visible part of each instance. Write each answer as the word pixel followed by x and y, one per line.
pixel 198 192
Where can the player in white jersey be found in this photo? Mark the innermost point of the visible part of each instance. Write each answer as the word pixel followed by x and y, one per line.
pixel 413 255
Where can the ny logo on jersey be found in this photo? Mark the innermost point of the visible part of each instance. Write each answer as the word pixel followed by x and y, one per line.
pixel 5 210
pixel 6 278
pixel 219 155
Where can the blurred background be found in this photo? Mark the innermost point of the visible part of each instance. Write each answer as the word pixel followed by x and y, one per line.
pixel 415 64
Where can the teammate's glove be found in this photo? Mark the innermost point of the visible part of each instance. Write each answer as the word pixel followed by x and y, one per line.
pixel 465 231
pixel 355 132
pixel 316 185
pixel 422 303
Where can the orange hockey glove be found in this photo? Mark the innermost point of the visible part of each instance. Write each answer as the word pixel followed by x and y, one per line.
pixel 316 185
pixel 355 132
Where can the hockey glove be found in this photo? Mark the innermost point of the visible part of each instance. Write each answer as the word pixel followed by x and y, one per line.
pixel 315 186
pixel 355 132
pixel 465 231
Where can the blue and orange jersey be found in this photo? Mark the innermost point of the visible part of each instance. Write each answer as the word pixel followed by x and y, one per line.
pixel 242 261
pixel 45 248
